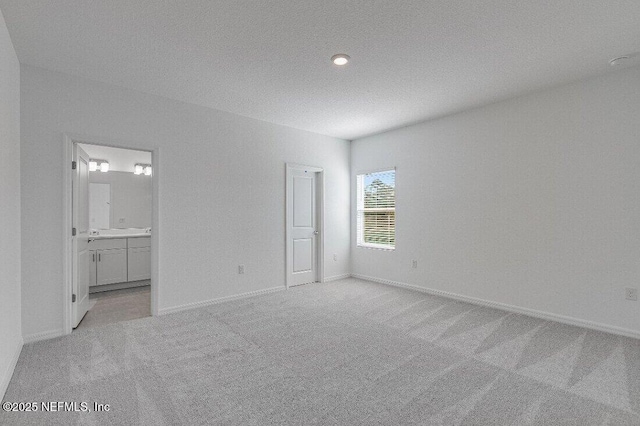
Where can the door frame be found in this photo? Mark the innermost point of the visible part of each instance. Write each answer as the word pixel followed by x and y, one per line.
pixel 82 237
pixel 68 140
pixel 319 219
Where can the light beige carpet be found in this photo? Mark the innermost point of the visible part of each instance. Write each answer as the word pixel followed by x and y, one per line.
pixel 349 352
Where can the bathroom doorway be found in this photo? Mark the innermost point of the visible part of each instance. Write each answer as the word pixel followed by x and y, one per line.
pixel 109 201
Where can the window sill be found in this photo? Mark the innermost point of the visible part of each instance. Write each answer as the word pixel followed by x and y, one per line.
pixel 375 247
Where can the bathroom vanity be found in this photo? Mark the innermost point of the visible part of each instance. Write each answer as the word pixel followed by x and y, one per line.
pixel 119 258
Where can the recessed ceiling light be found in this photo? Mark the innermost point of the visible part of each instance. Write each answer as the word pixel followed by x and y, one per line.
pixel 340 59
pixel 619 60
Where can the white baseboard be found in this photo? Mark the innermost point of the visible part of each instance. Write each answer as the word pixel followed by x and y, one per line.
pixel 8 373
pixel 204 303
pixel 336 277
pixel 44 335
pixel 511 308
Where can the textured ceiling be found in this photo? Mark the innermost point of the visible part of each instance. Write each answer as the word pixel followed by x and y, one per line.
pixel 411 60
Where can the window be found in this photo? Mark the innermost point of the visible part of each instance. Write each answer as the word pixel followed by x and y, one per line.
pixel 377 210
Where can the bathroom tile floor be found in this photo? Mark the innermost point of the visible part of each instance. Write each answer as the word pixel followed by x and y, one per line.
pixel 117 305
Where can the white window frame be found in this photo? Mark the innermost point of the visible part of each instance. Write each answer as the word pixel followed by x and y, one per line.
pixel 360 209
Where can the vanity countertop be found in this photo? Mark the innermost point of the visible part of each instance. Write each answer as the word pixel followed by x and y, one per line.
pixel 120 233
pixel 107 237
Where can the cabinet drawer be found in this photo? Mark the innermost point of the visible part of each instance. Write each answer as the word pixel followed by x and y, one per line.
pixel 107 244
pixel 139 242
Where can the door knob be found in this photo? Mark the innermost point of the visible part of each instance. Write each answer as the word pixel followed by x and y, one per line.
pixel 315 232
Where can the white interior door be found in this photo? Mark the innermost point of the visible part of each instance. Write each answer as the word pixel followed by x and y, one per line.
pixel 80 219
pixel 302 225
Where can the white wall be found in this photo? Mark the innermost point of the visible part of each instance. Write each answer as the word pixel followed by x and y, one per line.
pixel 130 198
pixel 532 202
pixel 10 329
pixel 222 190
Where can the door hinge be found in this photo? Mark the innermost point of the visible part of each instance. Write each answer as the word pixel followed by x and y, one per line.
pixel 73 232
pixel 73 298
pixel 74 165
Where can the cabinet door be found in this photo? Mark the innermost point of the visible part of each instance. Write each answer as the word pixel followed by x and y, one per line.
pixel 93 261
pixel 112 266
pixel 139 263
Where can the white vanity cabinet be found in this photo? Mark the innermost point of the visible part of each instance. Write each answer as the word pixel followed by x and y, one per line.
pixel 119 260
pixel 112 266
pixel 108 259
pixel 93 258
pixel 139 259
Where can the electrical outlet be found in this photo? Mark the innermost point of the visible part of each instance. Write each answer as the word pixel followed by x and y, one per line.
pixel 631 293
pixel 241 269
pixel 414 264
pixel 335 257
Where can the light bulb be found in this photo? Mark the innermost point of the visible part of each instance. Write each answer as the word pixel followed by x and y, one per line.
pixel 138 169
pixel 147 170
pixel 93 166
pixel 340 59
pixel 104 167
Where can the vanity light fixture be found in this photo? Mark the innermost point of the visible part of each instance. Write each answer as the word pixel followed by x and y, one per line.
pixel 340 59
pixel 139 169
pixel 95 165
